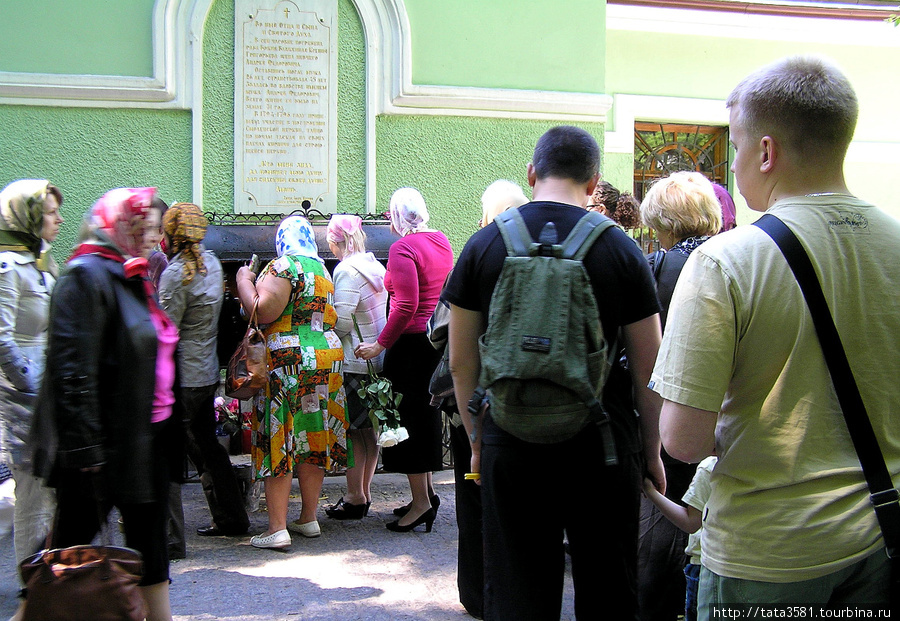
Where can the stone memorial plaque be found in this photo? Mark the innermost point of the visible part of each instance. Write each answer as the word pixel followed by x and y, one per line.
pixel 285 105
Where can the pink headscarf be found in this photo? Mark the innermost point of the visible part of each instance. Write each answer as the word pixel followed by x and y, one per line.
pixel 342 228
pixel 728 209
pixel 119 216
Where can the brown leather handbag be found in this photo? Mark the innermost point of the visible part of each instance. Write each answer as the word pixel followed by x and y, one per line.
pixel 99 583
pixel 96 582
pixel 248 369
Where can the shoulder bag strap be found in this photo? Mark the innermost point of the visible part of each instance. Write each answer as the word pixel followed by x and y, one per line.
pixel 883 494
pixel 656 260
pixel 253 321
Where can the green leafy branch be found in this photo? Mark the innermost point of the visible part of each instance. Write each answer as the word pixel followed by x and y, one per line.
pixel 378 396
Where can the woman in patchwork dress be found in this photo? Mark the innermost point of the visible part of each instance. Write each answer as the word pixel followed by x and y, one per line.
pixel 300 416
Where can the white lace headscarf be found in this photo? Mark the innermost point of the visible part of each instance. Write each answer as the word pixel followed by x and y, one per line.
pixel 408 211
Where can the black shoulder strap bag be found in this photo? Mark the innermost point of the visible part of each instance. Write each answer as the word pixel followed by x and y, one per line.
pixel 884 496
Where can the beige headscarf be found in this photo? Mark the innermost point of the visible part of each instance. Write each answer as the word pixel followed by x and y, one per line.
pixel 185 225
pixel 22 215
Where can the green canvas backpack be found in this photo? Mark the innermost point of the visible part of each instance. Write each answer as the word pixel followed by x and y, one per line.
pixel 544 359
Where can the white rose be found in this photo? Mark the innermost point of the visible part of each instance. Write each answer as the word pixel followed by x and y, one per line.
pixel 391 437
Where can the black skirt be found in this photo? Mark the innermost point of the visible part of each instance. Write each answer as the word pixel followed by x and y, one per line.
pixel 409 364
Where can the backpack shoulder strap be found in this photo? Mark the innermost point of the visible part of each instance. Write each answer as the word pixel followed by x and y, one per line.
pixel 515 234
pixel 583 235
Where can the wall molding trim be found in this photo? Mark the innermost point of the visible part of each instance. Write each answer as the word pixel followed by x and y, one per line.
pixel 389 70
pixel 696 21
pixel 389 76
pixel 871 11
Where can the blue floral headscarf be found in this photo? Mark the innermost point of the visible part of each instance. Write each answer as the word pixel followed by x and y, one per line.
pixel 296 237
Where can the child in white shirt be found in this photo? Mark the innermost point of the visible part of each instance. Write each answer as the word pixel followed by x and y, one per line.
pixel 688 518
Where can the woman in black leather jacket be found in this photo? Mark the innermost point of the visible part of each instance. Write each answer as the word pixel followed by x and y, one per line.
pixel 102 431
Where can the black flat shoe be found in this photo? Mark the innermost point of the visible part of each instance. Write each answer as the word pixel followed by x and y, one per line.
pixel 426 518
pixel 401 511
pixel 345 511
pixel 215 531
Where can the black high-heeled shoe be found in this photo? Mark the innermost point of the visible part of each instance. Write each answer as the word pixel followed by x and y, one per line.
pixel 426 518
pixel 435 503
pixel 345 511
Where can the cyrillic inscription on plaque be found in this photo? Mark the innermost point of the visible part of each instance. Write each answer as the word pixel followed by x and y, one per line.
pixel 285 105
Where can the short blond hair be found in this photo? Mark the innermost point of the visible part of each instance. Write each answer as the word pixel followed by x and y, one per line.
pixel 804 101
pixel 683 204
pixel 498 197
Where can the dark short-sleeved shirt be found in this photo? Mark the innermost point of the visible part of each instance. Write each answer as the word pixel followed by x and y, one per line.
pixel 620 276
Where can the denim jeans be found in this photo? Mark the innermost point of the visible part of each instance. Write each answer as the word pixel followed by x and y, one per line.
pixel 692 582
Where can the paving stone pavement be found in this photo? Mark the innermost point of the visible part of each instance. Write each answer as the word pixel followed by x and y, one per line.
pixel 357 570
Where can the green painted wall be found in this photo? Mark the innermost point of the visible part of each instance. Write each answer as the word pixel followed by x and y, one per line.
pixel 88 151
pixel 451 160
pixel 103 37
pixel 528 44
pixel 218 109
pixel 618 169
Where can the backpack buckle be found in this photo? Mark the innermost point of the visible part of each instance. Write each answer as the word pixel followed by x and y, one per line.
pixel 545 250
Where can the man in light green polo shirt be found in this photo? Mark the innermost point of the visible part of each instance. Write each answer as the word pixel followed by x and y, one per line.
pixel 742 372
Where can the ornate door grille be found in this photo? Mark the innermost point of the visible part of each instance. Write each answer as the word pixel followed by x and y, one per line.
pixel 663 148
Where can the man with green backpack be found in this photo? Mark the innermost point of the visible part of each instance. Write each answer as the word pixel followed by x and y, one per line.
pixel 542 302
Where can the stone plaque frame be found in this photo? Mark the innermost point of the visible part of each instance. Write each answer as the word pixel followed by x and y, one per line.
pixel 285 106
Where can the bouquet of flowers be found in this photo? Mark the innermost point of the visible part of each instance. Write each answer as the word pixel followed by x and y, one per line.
pixel 228 415
pixel 378 396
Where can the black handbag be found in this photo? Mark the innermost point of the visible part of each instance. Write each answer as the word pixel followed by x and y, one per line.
pixel 884 496
pixel 441 384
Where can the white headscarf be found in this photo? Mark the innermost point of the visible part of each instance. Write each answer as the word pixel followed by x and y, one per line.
pixel 296 237
pixel 408 211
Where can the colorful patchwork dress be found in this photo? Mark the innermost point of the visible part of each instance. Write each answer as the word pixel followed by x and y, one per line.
pixel 300 417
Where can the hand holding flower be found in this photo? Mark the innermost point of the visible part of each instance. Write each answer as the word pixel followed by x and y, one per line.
pixel 378 397
pixel 367 351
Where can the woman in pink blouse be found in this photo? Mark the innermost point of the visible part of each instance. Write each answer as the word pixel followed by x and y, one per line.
pixel 418 264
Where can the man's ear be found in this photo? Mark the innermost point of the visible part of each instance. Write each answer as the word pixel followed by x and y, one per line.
pixel 592 184
pixel 768 149
pixel 531 174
